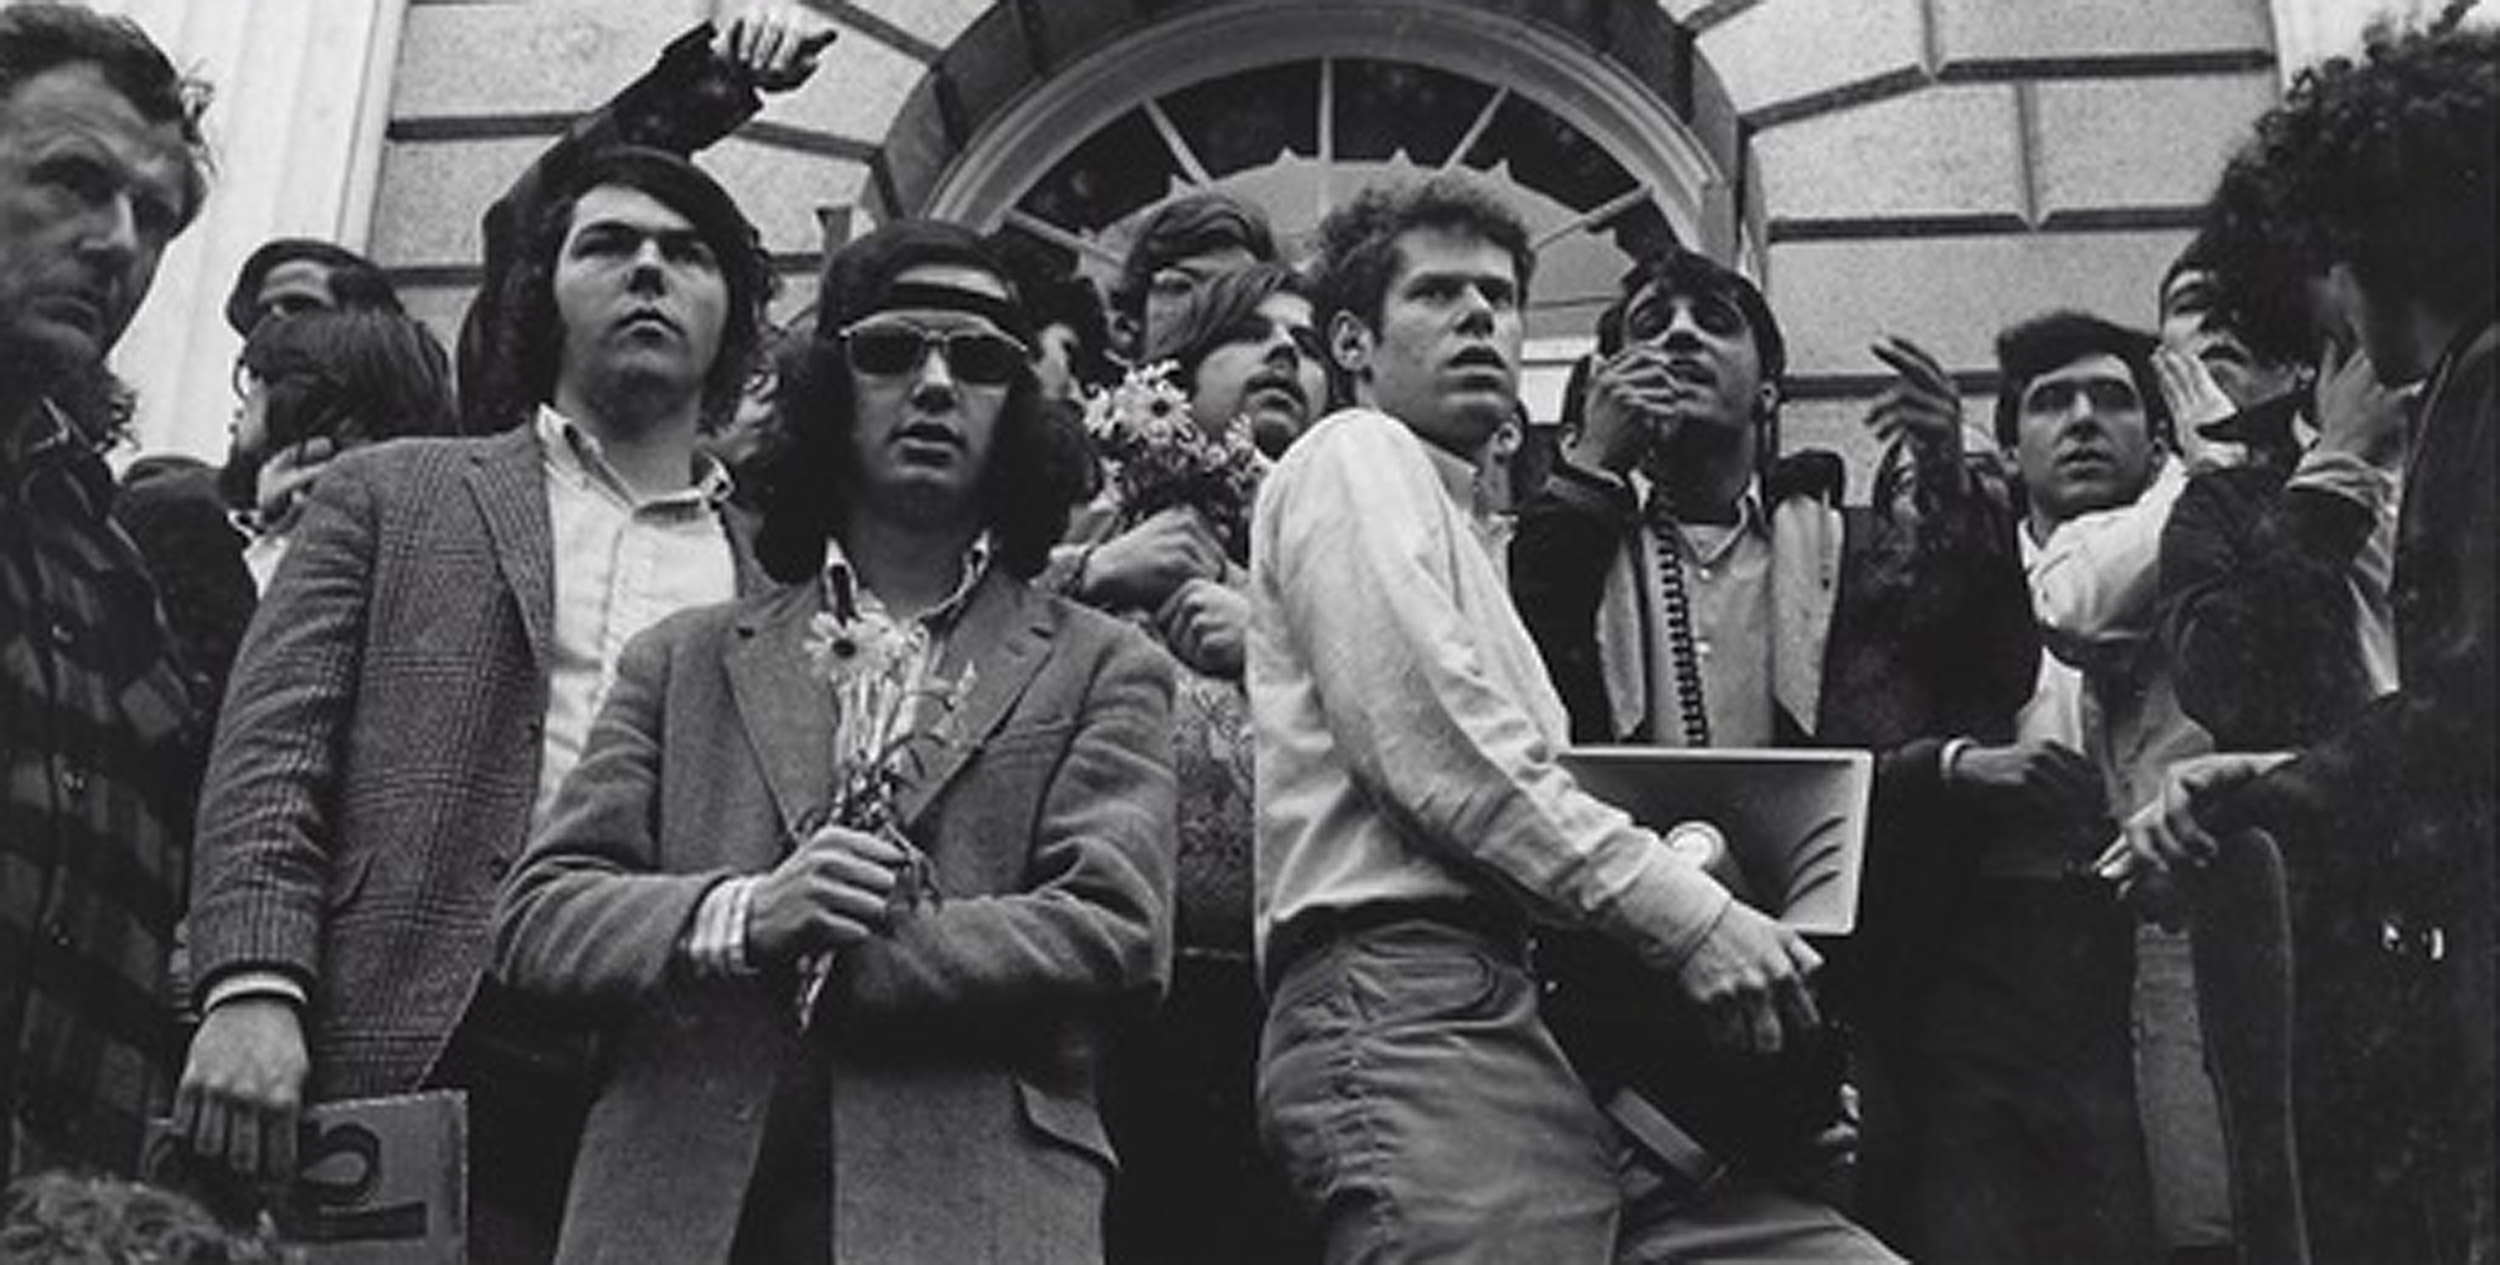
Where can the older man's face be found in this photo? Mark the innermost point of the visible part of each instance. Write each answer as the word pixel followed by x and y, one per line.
pixel 90 193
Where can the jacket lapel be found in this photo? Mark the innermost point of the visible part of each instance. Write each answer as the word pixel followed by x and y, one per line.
pixel 1806 541
pixel 505 478
pixel 787 711
pixel 1005 634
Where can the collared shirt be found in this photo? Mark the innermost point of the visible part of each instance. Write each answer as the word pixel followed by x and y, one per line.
pixel 97 762
pixel 1727 585
pixel 715 942
pixel 1406 728
pixel 621 564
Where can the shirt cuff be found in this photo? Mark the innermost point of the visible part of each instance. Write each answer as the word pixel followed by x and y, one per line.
pixel 2345 475
pixel 255 984
pixel 716 945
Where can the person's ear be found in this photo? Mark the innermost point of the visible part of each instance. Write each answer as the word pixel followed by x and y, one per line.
pixel 1766 402
pixel 1350 344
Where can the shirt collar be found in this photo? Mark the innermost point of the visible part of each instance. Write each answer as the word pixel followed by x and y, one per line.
pixel 576 453
pixel 1752 519
pixel 848 599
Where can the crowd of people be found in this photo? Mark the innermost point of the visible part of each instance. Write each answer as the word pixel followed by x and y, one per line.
pixel 991 772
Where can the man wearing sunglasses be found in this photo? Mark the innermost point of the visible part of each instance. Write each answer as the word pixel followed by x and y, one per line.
pixel 423 672
pixel 881 1035
pixel 1689 587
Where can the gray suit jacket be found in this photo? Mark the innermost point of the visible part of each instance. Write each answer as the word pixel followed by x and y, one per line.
pixel 377 757
pixel 962 1048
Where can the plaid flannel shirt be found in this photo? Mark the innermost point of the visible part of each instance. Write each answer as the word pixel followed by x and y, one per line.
pixel 97 772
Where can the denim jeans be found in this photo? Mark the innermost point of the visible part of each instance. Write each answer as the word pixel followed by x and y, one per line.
pixel 1421 1111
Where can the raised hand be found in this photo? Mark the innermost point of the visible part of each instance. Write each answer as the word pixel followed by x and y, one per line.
pixel 775 44
pixel 2356 415
pixel 1631 407
pixel 1923 406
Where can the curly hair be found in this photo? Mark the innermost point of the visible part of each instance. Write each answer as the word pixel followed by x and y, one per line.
pixel 2049 343
pixel 1358 242
pixel 2385 164
pixel 1039 464
pixel 527 346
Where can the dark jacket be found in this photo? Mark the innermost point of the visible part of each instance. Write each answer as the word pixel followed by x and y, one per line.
pixel 1927 635
pixel 2416 770
pixel 2256 611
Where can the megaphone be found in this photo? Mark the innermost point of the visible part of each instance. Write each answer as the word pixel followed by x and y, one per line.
pixel 1793 822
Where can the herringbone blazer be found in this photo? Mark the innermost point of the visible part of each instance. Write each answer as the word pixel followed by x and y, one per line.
pixel 377 758
pixel 962 1048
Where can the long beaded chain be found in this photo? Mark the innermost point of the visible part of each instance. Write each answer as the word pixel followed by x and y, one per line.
pixel 1679 608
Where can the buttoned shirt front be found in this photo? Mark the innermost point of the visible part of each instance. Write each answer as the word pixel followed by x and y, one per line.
pixel 622 562
pixel 1726 573
pixel 1406 729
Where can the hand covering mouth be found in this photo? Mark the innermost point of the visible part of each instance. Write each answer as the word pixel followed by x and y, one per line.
pixel 1692 371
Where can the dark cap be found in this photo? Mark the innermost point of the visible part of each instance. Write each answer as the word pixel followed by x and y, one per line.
pixel 355 281
pixel 863 278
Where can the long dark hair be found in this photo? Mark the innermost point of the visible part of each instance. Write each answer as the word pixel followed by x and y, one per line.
pixel 527 346
pixel 1039 465
pixel 351 376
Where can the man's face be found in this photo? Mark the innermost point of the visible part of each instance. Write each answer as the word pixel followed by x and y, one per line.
pixel 1054 363
pixel 2082 440
pixel 922 432
pixel 1445 359
pixel 90 193
pixel 640 293
pixel 2192 325
pixel 1267 371
pixel 295 286
pixel 1707 348
pixel 1171 288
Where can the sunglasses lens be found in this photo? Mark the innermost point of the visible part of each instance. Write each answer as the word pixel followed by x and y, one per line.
pixel 983 359
pixel 883 353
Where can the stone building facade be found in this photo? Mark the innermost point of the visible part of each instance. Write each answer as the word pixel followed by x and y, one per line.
pixel 1934 168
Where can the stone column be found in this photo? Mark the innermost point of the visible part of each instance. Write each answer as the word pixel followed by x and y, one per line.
pixel 302 94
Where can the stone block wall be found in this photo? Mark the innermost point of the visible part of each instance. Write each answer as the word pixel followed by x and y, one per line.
pixel 1934 168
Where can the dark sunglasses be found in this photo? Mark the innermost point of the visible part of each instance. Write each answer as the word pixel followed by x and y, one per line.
pixel 891 348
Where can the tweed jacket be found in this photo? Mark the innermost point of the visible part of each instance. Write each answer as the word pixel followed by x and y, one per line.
pixel 1896 626
pixel 377 758
pixel 962 1047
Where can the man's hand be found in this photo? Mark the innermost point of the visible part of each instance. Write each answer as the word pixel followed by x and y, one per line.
pixel 2195 398
pixel 2355 414
pixel 830 893
pixel 243 1087
pixel 1923 406
pixel 286 480
pixel 1207 625
pixel 775 45
pixel 2050 779
pixel 1142 567
pixel 1749 977
pixel 2167 832
pixel 1629 410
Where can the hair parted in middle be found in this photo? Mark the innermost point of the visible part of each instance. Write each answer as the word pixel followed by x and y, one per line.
pixel 525 352
pixel 1039 463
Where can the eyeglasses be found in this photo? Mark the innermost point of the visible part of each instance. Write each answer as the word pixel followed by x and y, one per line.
pixel 980 355
pixel 2108 395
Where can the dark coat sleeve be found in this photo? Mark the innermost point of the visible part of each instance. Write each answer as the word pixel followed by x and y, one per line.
pixel 1568 534
pixel 687 101
pixel 2255 611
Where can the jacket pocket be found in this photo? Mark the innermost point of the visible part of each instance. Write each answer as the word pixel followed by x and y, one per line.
pixel 1068 1120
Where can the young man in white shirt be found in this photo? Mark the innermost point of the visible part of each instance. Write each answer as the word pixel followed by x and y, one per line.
pixel 1412 820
